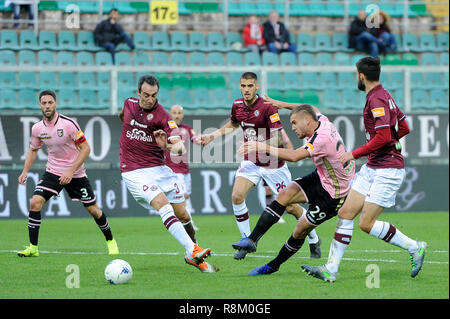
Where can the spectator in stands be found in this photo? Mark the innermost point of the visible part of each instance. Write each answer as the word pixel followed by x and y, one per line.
pixel 109 34
pixel 276 35
pixel 386 40
pixel 253 35
pixel 359 36
pixel 17 5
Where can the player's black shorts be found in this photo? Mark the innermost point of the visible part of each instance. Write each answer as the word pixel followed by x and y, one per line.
pixel 79 189
pixel 322 205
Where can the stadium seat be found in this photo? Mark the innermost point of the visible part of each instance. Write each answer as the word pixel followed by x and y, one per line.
pixel 103 59
pixel 346 80
pixel 231 39
pixel 391 59
pixel 305 43
pixel 350 99
pixel 47 40
pixel 8 80
pixel 84 59
pixel 220 98
pixel 399 97
pixel 306 59
pixel 417 80
pixel 28 99
pixel 310 97
pixel 103 80
pixel 26 58
pixel 427 42
pixel 8 40
pixel 341 58
pixel 197 41
pixel 331 99
pixel 28 80
pixel 291 81
pixel 122 59
pixel 327 80
pixel 178 59
pixel 299 9
pixel 420 99
pixel 46 58
pixel 28 40
pixel 292 96
pixel 87 99
pixel 215 59
pixel 179 41
pixel 125 7
pixel 142 40
pixel 66 80
pixel 165 97
pixel 197 59
pixel 216 80
pixel 234 59
pixel 324 58
pixel 234 79
pixel 429 59
pixel 86 42
pixel 409 59
pixel 288 59
pixel 160 58
pixel 7 57
pixel 443 58
pixel 182 96
pixel 199 80
pixel 124 94
pixel 435 80
pixel 67 98
pixel 201 98
pixel 269 59
pixel 310 80
pixel 355 58
pixel 86 80
pixel 47 81
pixel 323 42
pixel 180 80
pixel 8 99
pixel 410 42
pixel 160 41
pixel 442 42
pixel 67 41
pixel 215 42
pixel 165 80
pixel 65 58
pixel 275 80
pixel 397 80
pixel 339 42
pixel 252 58
pixel 141 59
pixel 104 98
pixel 125 80
pixel 438 99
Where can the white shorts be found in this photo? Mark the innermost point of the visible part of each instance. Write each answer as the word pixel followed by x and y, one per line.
pixel 145 184
pixel 276 178
pixel 380 186
pixel 185 181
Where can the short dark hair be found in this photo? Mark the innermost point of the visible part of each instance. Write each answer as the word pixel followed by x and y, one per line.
pixel 113 9
pixel 249 76
pixel 47 92
pixel 149 79
pixel 370 67
pixel 306 109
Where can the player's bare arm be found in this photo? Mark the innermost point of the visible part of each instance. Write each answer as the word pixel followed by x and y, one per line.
pixel 276 139
pixel 282 153
pixel 84 151
pixel 228 128
pixel 121 114
pixel 29 160
pixel 176 146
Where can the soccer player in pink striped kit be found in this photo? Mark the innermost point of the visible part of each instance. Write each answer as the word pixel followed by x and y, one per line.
pixel 67 150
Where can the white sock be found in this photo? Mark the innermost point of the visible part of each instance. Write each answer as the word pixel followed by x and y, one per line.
pixel 339 244
pixel 391 235
pixel 175 228
pixel 312 236
pixel 242 219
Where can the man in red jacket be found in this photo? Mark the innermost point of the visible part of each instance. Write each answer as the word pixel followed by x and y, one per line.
pixel 253 35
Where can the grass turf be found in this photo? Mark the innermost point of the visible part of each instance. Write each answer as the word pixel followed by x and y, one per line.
pixel 159 270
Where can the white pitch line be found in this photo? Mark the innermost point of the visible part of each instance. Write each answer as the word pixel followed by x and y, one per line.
pixel 226 255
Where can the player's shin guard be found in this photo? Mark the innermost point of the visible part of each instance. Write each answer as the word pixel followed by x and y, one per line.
pixel 175 227
pixel 291 246
pixel 103 224
pixel 392 235
pixel 34 223
pixel 242 218
pixel 190 230
pixel 339 244
pixel 270 216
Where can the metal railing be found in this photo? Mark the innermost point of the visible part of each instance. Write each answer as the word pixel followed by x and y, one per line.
pixel 262 70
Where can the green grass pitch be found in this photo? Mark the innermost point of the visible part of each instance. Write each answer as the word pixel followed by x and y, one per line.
pixel 160 271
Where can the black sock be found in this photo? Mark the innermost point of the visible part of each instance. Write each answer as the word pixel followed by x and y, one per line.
pixel 290 247
pixel 34 223
pixel 190 231
pixel 103 224
pixel 270 216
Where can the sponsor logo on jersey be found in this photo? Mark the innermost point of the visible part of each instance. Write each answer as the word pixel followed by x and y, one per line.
pixel 250 135
pixel 133 122
pixel 172 124
pixel 243 124
pixel 139 135
pixel 378 112
pixel 60 132
pixel 274 118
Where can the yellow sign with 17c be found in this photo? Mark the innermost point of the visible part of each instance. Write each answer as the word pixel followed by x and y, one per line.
pixel 164 12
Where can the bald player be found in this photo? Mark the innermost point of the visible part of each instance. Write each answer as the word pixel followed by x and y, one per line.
pixel 180 163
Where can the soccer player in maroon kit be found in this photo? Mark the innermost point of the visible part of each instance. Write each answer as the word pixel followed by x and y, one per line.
pixel 259 121
pixel 146 133
pixel 180 163
pixel 377 183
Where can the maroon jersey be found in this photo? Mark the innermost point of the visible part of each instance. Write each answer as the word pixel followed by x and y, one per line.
pixel 257 121
pixel 382 112
pixel 180 163
pixel 138 148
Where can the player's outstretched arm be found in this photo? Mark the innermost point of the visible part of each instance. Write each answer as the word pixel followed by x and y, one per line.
pixel 228 128
pixel 176 146
pixel 290 155
pixel 29 160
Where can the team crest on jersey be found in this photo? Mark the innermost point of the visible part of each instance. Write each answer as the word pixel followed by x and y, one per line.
pixel 256 113
pixel 60 132
pixel 149 117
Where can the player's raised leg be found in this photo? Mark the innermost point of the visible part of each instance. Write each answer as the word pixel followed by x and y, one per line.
pixel 34 224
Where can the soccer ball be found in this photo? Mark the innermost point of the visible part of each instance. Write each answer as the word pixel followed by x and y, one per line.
pixel 118 272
